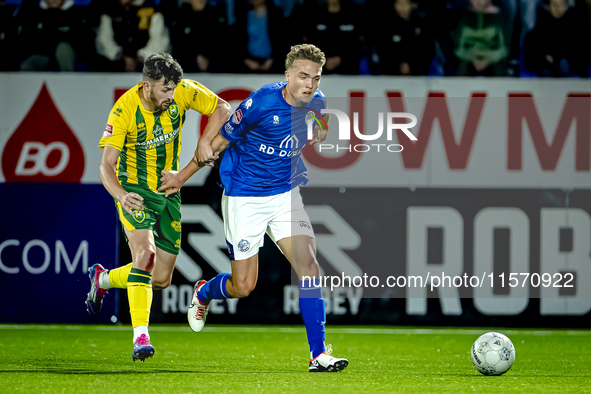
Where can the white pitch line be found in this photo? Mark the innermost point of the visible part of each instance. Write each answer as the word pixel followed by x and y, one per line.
pixel 290 330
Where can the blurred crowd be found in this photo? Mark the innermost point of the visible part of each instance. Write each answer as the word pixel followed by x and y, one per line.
pixel 545 38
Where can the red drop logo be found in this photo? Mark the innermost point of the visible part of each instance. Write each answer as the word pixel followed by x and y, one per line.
pixel 43 148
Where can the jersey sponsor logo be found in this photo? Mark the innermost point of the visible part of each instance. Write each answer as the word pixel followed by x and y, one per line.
pixel 173 111
pixel 248 103
pixel 176 225
pixel 32 154
pixel 158 140
pixel 290 142
pixel 237 117
pixel 118 112
pixel 138 216
pixel 275 119
pixel 108 131
pixel 281 153
pixel 243 245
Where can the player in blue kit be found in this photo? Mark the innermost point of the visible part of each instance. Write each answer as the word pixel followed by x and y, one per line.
pixel 262 171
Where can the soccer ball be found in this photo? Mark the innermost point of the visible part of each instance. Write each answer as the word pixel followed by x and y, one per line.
pixel 493 354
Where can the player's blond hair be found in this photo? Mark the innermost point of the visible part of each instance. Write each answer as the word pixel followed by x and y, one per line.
pixel 304 52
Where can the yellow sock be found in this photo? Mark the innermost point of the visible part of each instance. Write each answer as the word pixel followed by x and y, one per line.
pixel 118 276
pixel 139 293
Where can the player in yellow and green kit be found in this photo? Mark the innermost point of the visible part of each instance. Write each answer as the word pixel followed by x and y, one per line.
pixel 141 143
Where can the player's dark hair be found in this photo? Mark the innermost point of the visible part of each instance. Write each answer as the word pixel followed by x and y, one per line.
pixel 304 52
pixel 161 65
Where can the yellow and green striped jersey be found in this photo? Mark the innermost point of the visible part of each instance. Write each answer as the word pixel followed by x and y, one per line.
pixel 150 142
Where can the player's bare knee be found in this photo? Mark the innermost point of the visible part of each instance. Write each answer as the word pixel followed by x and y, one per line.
pixel 309 267
pixel 244 289
pixel 313 265
pixel 160 284
pixel 161 281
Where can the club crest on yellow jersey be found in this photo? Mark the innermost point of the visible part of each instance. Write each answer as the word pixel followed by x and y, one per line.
pixel 173 111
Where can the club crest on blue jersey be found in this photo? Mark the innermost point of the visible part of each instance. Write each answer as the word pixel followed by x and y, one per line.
pixel 243 245
pixel 228 128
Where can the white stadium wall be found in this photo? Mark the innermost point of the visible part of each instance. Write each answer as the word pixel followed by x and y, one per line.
pixel 84 102
pixel 498 181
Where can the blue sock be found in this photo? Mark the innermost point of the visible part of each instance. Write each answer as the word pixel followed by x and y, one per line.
pixel 314 315
pixel 215 289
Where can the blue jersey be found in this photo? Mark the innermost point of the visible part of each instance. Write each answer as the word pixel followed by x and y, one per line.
pixel 266 137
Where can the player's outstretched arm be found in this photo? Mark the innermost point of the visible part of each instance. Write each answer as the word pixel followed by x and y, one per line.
pixel 107 176
pixel 172 181
pixel 204 152
pixel 218 144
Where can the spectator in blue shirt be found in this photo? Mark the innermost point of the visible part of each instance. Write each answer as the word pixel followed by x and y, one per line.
pixel 260 31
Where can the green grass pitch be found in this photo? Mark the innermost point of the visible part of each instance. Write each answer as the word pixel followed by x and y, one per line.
pixel 274 359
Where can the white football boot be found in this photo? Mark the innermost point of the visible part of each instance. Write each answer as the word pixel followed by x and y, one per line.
pixel 327 363
pixel 197 311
